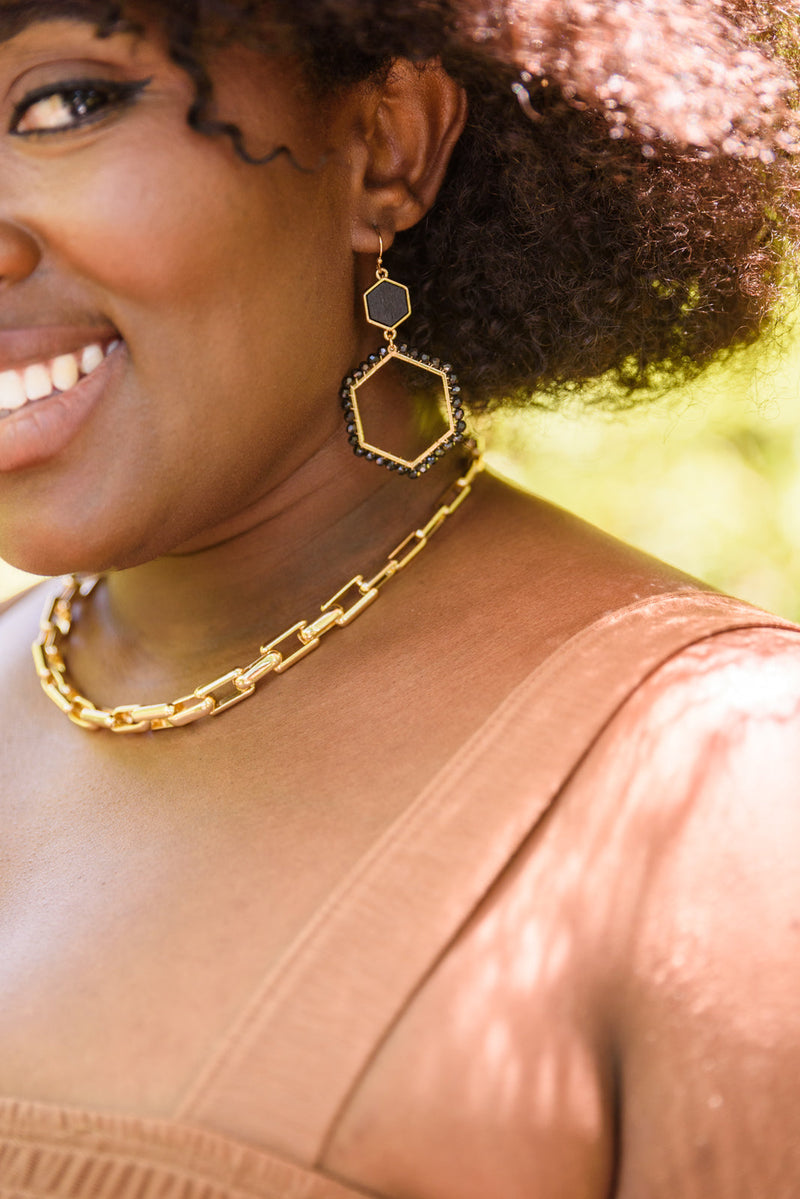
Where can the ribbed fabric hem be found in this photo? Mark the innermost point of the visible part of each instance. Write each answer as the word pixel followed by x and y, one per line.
pixel 49 1152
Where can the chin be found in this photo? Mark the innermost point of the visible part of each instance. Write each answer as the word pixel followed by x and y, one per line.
pixel 54 555
pixel 63 536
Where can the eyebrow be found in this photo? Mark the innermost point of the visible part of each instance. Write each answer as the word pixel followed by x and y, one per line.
pixel 18 15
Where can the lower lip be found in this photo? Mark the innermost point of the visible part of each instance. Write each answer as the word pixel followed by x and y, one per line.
pixel 43 428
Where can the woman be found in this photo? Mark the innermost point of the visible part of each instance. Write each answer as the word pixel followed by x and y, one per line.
pixel 496 894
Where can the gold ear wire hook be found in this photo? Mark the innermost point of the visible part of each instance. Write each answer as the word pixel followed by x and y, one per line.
pixel 380 271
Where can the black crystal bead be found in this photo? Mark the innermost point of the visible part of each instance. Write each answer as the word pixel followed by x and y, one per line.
pixel 353 439
pixel 460 426
pixel 360 451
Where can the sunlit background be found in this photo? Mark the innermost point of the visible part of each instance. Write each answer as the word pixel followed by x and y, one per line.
pixel 707 478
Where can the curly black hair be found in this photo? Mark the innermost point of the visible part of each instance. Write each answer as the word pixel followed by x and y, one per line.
pixel 623 203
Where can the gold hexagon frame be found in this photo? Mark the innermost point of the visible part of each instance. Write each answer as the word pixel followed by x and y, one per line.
pixel 368 371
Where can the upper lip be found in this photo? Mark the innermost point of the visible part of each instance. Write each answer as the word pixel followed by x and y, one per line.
pixel 23 347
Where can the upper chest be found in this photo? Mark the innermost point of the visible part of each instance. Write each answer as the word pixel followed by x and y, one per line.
pixel 139 922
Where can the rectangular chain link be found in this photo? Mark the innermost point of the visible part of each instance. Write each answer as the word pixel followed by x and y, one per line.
pixel 367 594
pixel 188 709
pixel 54 693
pixel 417 540
pixel 151 712
pixel 324 624
pixel 259 669
pixel 86 715
pixel 305 647
pixel 224 691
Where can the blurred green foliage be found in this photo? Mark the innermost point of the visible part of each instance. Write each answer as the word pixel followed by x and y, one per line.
pixel 707 477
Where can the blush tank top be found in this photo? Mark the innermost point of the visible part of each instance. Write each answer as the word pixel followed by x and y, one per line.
pixel 258 1119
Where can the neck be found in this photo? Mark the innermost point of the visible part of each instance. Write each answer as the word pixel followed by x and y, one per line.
pixel 164 623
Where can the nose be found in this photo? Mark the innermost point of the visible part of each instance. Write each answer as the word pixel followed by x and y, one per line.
pixel 19 253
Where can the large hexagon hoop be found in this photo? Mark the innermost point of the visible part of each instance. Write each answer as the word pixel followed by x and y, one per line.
pixel 450 395
pixel 387 304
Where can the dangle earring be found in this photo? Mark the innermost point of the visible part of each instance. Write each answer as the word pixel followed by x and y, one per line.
pixel 387 304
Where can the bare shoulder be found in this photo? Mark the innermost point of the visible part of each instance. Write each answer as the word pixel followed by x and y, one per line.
pixel 19 623
pixel 19 606
pixel 713 709
pixel 13 600
pixel 715 735
pixel 707 758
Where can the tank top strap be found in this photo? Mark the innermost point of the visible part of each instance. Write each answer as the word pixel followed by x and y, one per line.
pixel 287 1068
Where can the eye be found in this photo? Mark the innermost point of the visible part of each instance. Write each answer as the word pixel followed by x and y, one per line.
pixel 72 104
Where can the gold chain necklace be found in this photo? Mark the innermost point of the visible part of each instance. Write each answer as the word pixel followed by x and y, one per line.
pixel 215 697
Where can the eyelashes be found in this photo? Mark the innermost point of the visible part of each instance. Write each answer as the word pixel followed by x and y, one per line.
pixel 72 104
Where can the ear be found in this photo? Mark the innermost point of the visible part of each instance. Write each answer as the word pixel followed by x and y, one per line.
pixel 410 124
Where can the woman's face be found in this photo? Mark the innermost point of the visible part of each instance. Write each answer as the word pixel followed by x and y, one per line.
pixel 222 290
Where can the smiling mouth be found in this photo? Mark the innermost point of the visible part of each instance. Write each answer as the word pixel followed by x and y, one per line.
pixel 23 386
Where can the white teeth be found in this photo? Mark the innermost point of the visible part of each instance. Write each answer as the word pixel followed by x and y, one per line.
pixel 91 358
pixel 37 382
pixel 65 372
pixel 12 393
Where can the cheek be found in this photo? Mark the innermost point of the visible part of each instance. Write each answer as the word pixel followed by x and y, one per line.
pixel 158 220
pixel 231 285
pixel 187 250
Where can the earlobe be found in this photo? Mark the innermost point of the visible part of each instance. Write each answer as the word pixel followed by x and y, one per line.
pixel 414 123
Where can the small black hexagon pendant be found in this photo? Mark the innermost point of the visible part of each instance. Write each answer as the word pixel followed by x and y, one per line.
pixel 387 303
